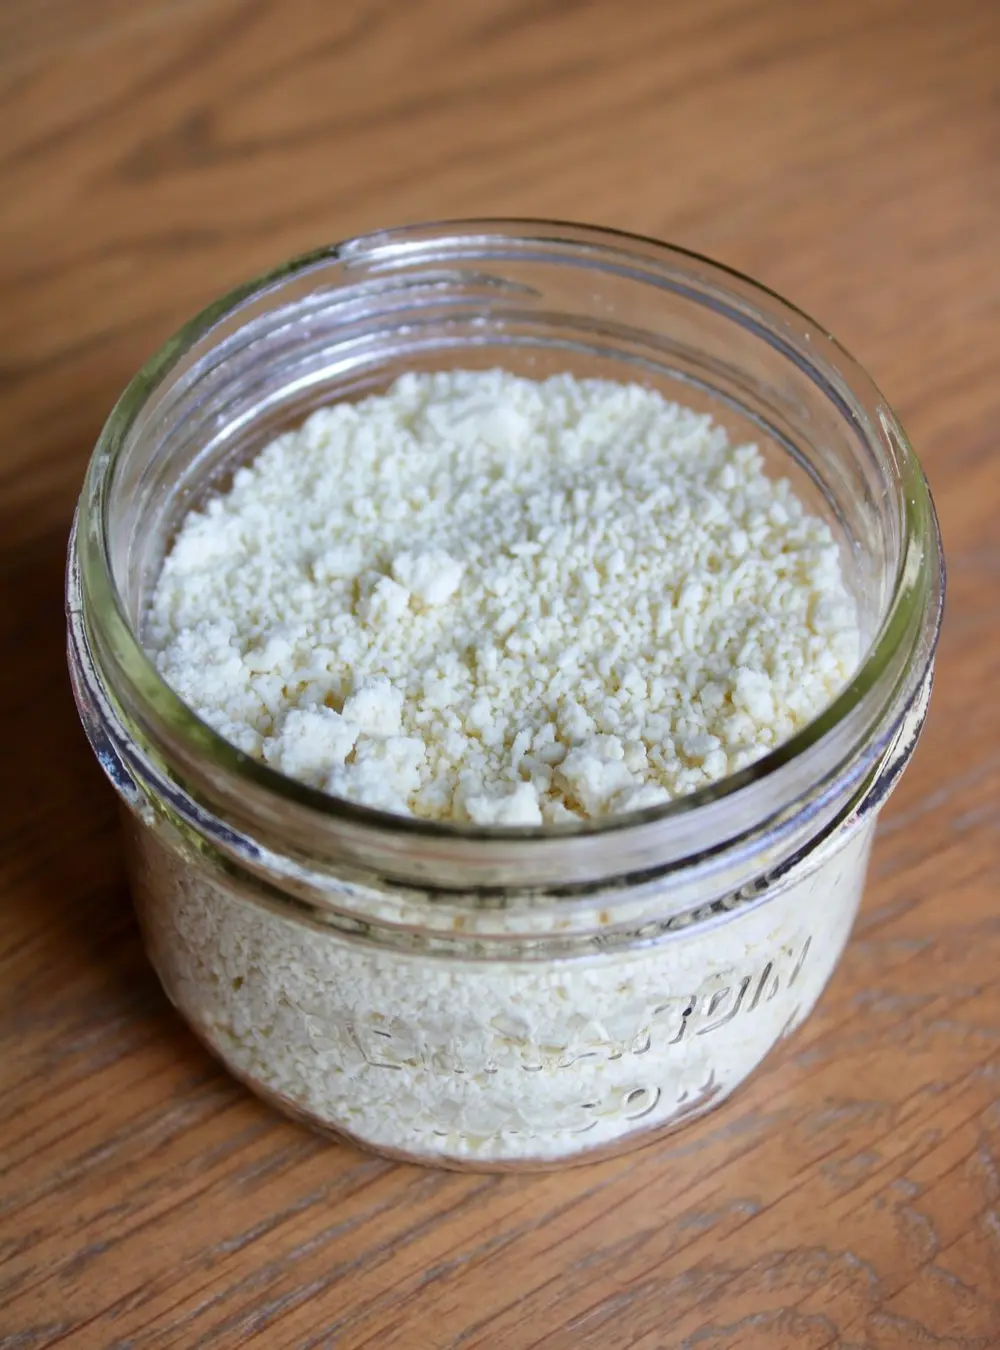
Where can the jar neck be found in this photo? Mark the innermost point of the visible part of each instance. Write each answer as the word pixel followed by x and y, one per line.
pixel 349 317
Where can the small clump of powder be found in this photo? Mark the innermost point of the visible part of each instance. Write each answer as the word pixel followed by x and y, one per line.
pixel 489 598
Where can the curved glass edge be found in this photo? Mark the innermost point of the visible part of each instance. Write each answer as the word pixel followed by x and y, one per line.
pixel 911 622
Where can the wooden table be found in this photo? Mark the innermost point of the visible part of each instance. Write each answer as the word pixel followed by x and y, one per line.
pixel 848 154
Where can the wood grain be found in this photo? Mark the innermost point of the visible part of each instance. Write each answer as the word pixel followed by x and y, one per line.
pixel 847 154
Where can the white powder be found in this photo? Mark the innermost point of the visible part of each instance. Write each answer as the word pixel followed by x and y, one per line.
pixel 481 597
pixel 487 598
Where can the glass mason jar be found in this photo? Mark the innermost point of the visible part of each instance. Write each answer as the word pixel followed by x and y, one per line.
pixel 493 997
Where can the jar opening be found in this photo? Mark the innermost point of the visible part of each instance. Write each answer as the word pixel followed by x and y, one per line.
pixel 534 297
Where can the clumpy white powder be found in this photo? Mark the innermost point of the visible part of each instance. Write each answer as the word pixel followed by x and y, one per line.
pixel 481 597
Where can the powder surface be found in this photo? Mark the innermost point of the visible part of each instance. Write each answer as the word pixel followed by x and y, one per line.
pixel 481 597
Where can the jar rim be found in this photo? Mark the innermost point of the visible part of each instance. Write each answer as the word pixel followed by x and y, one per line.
pixel 909 623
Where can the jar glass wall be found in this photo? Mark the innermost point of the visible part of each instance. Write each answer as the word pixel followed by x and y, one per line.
pixel 498 996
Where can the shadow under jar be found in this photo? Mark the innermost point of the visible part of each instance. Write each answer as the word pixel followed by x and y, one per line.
pixel 498 997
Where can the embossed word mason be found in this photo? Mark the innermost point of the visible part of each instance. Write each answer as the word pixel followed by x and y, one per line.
pixel 505 1042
